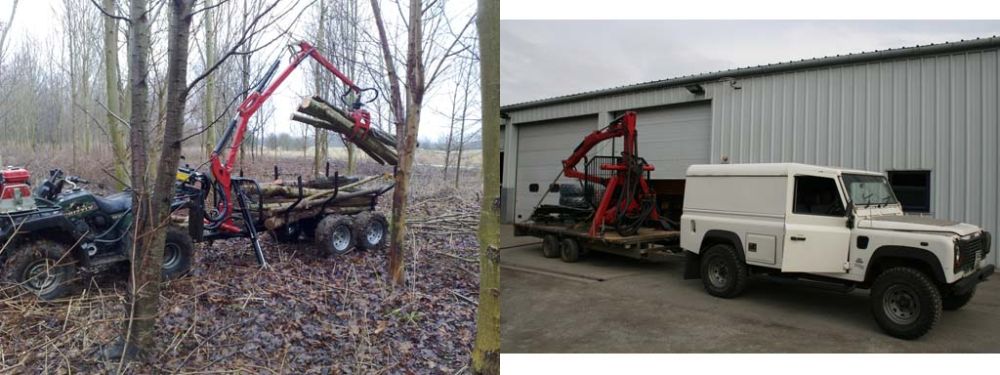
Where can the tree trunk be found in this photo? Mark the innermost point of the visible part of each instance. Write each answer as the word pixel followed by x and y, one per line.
pixel 451 131
pixel 210 60
pixel 486 352
pixel 320 154
pixel 461 133
pixel 150 222
pixel 395 97
pixel 111 88
pixel 406 131
pixel 144 296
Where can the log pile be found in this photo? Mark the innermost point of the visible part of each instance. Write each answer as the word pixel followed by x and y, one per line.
pixel 280 205
pixel 379 145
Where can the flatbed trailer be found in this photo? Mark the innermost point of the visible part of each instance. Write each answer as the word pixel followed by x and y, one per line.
pixel 647 244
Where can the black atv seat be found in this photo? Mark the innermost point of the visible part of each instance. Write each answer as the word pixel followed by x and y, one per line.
pixel 114 203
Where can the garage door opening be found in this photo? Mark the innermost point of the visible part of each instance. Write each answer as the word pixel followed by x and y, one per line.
pixel 669 197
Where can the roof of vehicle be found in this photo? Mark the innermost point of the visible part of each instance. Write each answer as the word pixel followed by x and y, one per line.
pixel 767 169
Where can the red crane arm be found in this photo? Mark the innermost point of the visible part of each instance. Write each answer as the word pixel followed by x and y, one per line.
pixel 623 126
pixel 222 171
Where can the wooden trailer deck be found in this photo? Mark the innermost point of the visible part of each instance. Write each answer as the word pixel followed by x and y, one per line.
pixel 648 244
pixel 611 237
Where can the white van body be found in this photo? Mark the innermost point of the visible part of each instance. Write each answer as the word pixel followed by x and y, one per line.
pixel 753 203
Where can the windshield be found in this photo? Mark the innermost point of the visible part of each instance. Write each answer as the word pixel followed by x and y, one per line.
pixel 868 189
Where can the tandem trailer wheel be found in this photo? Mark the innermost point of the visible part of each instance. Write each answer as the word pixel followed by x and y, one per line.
pixel 550 246
pixel 570 250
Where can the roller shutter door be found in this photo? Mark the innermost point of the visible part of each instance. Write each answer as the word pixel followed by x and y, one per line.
pixel 541 147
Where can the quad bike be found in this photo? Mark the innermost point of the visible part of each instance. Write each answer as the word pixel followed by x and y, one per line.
pixel 66 232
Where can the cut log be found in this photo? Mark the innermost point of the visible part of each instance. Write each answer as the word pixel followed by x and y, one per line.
pixel 341 199
pixel 278 221
pixel 376 143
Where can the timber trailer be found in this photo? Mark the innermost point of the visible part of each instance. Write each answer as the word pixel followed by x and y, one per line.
pixel 224 206
pixel 612 209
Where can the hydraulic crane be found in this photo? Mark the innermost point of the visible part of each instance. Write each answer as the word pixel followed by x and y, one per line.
pixel 219 219
pixel 627 201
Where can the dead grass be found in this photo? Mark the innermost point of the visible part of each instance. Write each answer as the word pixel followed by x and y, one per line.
pixel 307 314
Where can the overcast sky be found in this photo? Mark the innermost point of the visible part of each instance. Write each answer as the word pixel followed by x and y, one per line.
pixel 542 59
pixel 40 19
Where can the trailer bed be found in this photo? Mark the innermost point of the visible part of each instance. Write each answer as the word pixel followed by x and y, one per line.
pixel 648 243
pixel 645 235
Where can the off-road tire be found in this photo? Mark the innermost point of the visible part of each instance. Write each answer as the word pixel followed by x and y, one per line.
pixel 32 254
pixel 905 302
pixel 364 224
pixel 330 238
pixel 722 273
pixel 952 302
pixel 569 250
pixel 179 263
pixel 550 246
pixel 287 233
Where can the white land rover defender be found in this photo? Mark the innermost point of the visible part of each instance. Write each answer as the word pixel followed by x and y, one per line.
pixel 832 225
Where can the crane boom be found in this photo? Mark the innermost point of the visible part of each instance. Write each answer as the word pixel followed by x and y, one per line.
pixel 627 200
pixel 236 130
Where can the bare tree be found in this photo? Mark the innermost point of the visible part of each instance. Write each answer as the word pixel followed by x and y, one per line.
pixel 319 75
pixel 144 291
pixel 4 30
pixel 417 84
pixel 112 90
pixel 468 85
pixel 210 85
pixel 486 352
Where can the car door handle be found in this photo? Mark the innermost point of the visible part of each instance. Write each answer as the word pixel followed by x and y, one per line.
pixel 797 238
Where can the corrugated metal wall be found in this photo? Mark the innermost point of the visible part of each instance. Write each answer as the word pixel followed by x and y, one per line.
pixel 936 113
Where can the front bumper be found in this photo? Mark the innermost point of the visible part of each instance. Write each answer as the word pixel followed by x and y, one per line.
pixel 965 284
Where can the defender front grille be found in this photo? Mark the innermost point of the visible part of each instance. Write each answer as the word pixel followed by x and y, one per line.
pixel 969 250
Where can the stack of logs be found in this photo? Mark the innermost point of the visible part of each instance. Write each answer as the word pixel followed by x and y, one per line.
pixel 280 206
pixel 379 145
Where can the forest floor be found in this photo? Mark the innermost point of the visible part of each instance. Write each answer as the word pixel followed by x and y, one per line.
pixel 306 314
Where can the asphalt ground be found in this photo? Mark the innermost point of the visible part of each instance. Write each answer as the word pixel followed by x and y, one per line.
pixel 612 304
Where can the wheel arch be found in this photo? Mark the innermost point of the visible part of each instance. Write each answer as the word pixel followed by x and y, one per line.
pixel 886 257
pixel 718 236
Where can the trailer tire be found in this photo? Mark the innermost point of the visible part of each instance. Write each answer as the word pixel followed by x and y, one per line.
pixel 569 250
pixel 31 259
pixel 371 230
pixel 550 246
pixel 905 302
pixel 334 236
pixel 177 252
pixel 722 273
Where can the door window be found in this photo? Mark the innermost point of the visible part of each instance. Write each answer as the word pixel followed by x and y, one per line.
pixel 817 196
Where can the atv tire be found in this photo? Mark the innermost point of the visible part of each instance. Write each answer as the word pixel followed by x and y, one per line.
pixel 177 252
pixel 40 268
pixel 334 236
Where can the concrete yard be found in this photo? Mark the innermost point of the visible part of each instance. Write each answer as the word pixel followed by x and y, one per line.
pixel 612 304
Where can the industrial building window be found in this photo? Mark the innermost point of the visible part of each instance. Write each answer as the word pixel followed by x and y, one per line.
pixel 913 189
pixel 817 196
pixel 533 188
